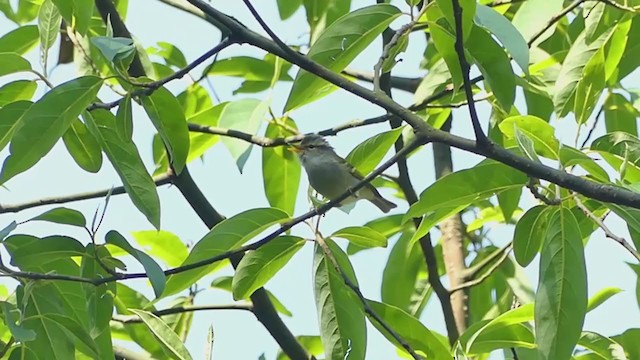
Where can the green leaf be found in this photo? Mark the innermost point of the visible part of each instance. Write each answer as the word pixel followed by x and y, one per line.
pixel 257 267
pixel 124 119
pixel 632 217
pixel 603 346
pixel 11 63
pixel 366 156
pixel 468 8
pixel 225 236
pixel 602 296
pixel 387 226
pixel 201 142
pixel 244 115
pixel 573 70
pixel 49 26
pixel 249 68
pixel 362 236
pixel 466 186
pixel 444 42
pixel 163 245
pixel 280 170
pixel 506 33
pixel 504 331
pixel 11 120
pixel 83 147
pixel 62 215
pixel 170 53
pixel 620 115
pixel 539 131
pixel 341 317
pixel 286 8
pixel 311 343
pixel 18 332
pixel 570 156
pixel 561 298
pixel 167 116
pixel 118 50
pixel 167 337
pixel 401 272
pixel 20 40
pixel 411 330
pixel 225 283
pixel 127 162
pixel 16 91
pixel 321 14
pixel 154 271
pixel 7 230
pixel 337 46
pixel 46 121
pixel 621 150
pixel 590 87
pixel 494 64
pixel 534 15
pixel 528 234
pixel 44 251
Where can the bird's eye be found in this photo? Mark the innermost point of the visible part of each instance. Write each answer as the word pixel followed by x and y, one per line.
pixel 311 146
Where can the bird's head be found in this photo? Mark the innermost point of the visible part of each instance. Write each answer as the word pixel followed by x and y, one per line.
pixel 311 144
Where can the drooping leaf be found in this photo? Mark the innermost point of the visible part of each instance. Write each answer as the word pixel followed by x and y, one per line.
pixel 572 71
pixel 468 8
pixel 561 298
pixel 337 46
pixel 340 313
pixel 11 120
pixel 126 161
pixel 18 332
pixel 258 266
pixel 225 236
pixel 63 215
pixel 244 115
pixel 466 186
pixel 494 64
pixel 506 33
pixel 7 230
pixel 48 26
pixel 46 121
pixel 421 339
pixel 167 116
pixel 620 115
pixel 362 236
pixel 529 233
pixel 20 40
pixel 539 131
pixel 83 146
pixel 280 170
pixel 16 91
pixel 401 272
pixel 167 337
pixel 124 119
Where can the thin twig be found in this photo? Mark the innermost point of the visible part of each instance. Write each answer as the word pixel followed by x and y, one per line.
pixel 607 232
pixel 13 208
pixel 473 271
pixel 554 20
pixel 615 4
pixel 487 274
pixel 365 304
pixel 149 88
pixel 593 127
pixel 531 185
pixel 481 138
pixel 132 319
pixel 386 52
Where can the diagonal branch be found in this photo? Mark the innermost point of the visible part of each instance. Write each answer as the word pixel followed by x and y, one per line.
pixel 481 138
pixel 504 254
pixel 134 319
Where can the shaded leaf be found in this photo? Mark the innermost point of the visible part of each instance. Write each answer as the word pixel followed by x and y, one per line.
pixel 127 162
pixel 367 155
pixel 63 215
pixel 46 121
pixel 11 120
pixel 162 244
pixel 529 233
pixel 83 146
pixel 257 267
pixel 337 46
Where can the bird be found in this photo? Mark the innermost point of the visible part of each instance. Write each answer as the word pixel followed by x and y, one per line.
pixel 331 176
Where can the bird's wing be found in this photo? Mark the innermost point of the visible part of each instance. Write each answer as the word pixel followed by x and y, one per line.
pixel 358 175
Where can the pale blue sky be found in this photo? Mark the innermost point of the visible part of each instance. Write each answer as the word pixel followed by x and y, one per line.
pixel 238 335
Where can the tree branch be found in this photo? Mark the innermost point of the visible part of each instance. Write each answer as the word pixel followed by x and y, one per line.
pixel 133 319
pixel 13 208
pixel 607 232
pixel 473 271
pixel 481 138
pixel 483 277
pixel 397 82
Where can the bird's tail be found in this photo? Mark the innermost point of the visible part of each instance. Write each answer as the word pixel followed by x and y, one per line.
pixel 383 204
